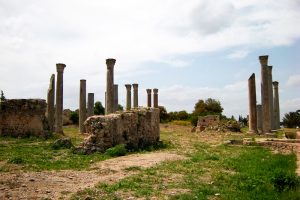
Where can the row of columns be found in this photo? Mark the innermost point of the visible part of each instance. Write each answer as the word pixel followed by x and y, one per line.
pixel 265 117
pixel 155 97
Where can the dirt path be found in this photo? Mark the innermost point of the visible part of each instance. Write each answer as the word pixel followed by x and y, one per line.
pixel 62 184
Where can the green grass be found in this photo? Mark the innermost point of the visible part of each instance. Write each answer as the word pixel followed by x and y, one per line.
pixel 36 154
pixel 222 172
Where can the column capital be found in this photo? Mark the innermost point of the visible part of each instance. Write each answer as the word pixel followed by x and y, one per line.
pixel 275 83
pixel 263 59
pixel 148 91
pixel 252 76
pixel 128 86
pixel 60 67
pixel 82 80
pixel 135 85
pixel 110 63
pixel 155 90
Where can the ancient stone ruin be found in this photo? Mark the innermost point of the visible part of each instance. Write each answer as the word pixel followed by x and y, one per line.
pixel 136 128
pixel 264 118
pixel 206 121
pixel 23 118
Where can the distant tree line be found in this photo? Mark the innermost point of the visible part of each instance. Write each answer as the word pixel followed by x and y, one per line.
pixel 291 119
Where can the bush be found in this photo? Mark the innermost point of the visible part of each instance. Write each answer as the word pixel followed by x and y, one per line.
pixel 284 181
pixel 16 160
pixel 63 143
pixel 74 117
pixel 119 150
pixel 194 120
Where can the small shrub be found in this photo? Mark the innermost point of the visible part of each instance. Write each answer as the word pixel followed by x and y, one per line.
pixel 63 143
pixel 119 150
pixel 284 181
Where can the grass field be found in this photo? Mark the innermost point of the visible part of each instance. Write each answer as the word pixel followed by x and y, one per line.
pixel 211 170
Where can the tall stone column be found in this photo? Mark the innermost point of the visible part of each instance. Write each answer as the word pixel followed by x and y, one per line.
pixel 59 98
pixel 270 87
pixel 259 118
pixel 128 96
pixel 109 107
pixel 265 94
pixel 116 98
pixel 82 105
pixel 252 104
pixel 90 105
pixel 149 91
pixel 50 103
pixel 155 98
pixel 135 95
pixel 276 105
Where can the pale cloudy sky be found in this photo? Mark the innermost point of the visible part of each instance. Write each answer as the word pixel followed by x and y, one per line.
pixel 190 50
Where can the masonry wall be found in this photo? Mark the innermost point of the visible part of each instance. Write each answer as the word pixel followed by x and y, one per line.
pixel 136 128
pixel 23 117
pixel 209 120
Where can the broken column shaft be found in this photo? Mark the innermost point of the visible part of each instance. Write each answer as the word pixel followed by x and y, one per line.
pixel 116 98
pixel 109 107
pixel 155 98
pixel 276 105
pixel 128 96
pixel 50 103
pixel 135 95
pixel 82 105
pixel 90 105
pixel 59 98
pixel 252 104
pixel 149 91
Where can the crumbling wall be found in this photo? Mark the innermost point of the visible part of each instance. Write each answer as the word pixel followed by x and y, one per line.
pixel 136 128
pixel 23 117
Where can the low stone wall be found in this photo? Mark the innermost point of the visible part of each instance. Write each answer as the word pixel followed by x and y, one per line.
pixel 136 128
pixel 23 117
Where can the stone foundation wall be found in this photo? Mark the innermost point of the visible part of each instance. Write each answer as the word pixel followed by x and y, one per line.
pixel 23 117
pixel 136 128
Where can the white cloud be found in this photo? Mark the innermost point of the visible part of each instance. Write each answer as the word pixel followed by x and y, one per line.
pixel 293 80
pixel 238 54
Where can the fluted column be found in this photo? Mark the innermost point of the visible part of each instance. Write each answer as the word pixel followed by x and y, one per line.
pixel 59 98
pixel 265 94
pixel 109 107
pixel 135 95
pixel 90 104
pixel 252 104
pixel 155 98
pixel 276 105
pixel 50 103
pixel 82 105
pixel 270 87
pixel 116 98
pixel 128 96
pixel 149 91
pixel 259 118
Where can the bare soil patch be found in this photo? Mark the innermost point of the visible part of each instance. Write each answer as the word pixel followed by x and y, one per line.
pixel 61 184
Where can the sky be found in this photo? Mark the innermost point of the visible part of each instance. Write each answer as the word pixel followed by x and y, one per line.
pixel 189 50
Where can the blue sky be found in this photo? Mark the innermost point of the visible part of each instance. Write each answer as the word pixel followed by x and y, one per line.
pixel 189 50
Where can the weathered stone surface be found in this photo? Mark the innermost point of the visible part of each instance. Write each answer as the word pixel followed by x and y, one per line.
pixel 82 105
pixel 116 97
pixel 252 104
pixel 23 118
pixel 155 98
pixel 66 117
pixel 90 109
pixel 209 120
pixel 270 81
pixel 50 103
pixel 59 98
pixel 109 106
pixel 259 118
pixel 136 128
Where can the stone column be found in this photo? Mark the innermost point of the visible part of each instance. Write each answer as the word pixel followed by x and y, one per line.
pixel 266 122
pixel 276 105
pixel 109 107
pixel 270 81
pixel 82 105
pixel 149 91
pixel 90 104
pixel 155 98
pixel 59 98
pixel 135 95
pixel 116 98
pixel 50 103
pixel 128 96
pixel 252 104
pixel 259 118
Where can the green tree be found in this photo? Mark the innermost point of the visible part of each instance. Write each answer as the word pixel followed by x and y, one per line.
pixel 74 116
pixel 208 107
pixel 164 117
pixel 2 97
pixel 183 115
pixel 291 119
pixel 98 108
pixel 120 107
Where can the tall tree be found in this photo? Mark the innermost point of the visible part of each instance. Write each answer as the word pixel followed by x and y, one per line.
pixel 98 108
